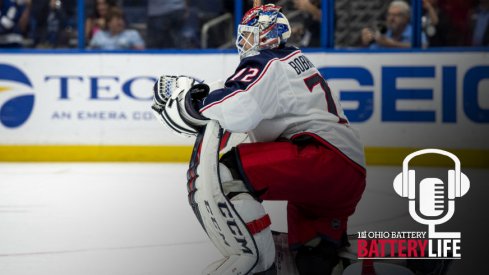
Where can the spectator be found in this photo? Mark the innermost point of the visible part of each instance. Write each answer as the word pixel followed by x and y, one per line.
pixel 71 10
pixel 10 14
pixel 458 12
pixel 37 20
pixel 24 19
pixel 116 36
pixel 166 19
pixel 312 21
pixel 52 27
pixel 436 25
pixel 397 33
pixel 430 18
pixel 49 24
pixel 311 7
pixel 56 24
pixel 96 21
pixel 480 19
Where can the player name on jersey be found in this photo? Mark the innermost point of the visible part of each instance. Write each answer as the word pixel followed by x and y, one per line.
pixel 301 64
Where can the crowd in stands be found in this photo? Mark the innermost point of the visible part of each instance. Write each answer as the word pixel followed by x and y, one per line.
pixel 178 24
pixel 397 31
pixel 445 23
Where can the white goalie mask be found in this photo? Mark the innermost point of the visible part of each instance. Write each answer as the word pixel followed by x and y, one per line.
pixel 263 27
pixel 247 41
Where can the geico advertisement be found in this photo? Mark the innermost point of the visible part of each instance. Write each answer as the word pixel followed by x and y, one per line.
pixel 394 99
pixel 413 99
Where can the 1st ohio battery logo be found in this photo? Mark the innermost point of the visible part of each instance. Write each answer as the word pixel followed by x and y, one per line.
pixel 16 97
pixel 431 202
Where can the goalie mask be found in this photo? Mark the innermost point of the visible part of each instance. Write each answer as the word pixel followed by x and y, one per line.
pixel 263 27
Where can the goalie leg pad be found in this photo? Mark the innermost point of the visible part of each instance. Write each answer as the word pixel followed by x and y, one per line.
pixel 239 228
pixel 258 223
pixel 253 214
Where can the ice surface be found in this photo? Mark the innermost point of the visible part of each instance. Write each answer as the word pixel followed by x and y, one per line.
pixel 133 218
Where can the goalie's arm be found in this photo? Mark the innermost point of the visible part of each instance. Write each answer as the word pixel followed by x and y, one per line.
pixel 249 96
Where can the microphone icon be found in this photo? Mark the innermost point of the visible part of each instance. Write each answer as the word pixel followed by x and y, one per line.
pixel 434 200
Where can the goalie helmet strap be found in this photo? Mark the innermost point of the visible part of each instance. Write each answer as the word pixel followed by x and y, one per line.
pixel 259 225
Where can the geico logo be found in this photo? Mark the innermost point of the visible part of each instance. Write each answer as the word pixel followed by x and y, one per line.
pixel 439 92
pixel 102 87
pixel 16 97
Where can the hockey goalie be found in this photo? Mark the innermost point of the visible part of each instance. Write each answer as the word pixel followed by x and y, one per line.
pixel 302 150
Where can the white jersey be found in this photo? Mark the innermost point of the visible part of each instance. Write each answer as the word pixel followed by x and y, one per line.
pixel 280 94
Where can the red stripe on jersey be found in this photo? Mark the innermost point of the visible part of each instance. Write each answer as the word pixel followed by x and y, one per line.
pixel 252 84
